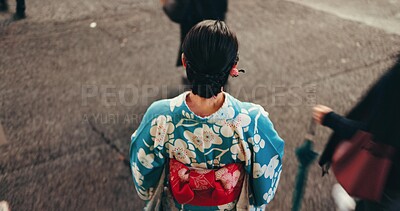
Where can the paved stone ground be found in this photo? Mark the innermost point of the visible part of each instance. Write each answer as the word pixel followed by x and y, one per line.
pixel 71 95
pixel 384 14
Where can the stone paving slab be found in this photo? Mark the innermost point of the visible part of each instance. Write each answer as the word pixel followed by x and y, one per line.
pixel 88 180
pixel 384 14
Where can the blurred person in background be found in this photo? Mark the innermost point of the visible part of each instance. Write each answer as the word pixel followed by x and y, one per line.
pixel 379 114
pixel 19 11
pixel 204 149
pixel 188 13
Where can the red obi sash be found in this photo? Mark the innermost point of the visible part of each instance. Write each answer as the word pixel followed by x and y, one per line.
pixel 205 187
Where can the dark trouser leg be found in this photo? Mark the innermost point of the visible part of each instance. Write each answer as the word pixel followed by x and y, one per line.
pixel 20 10
pixel 184 30
pixel 3 5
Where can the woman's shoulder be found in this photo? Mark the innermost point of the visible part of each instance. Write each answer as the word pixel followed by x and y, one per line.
pixel 252 109
pixel 159 107
pixel 165 107
pixel 263 130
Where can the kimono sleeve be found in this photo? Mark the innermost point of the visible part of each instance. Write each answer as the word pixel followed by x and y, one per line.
pixel 267 151
pixel 146 159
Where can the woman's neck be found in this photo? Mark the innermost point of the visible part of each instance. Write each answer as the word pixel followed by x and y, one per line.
pixel 204 106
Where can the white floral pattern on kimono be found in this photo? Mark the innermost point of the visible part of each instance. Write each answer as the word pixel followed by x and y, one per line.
pixel 203 138
pixel 182 151
pixel 237 132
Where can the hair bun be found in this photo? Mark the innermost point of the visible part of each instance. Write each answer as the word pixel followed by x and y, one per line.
pixel 210 51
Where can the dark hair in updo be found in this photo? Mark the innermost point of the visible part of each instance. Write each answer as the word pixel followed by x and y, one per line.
pixel 211 50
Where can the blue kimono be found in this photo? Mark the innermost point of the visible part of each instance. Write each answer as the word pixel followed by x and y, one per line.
pixel 237 132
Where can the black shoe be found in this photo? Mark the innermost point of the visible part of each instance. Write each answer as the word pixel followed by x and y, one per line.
pixel 4 7
pixel 18 16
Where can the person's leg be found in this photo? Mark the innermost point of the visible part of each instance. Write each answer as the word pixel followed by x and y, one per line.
pixel 3 6
pixel 184 30
pixel 20 10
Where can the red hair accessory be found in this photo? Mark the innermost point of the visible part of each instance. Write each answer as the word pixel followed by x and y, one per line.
pixel 235 72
